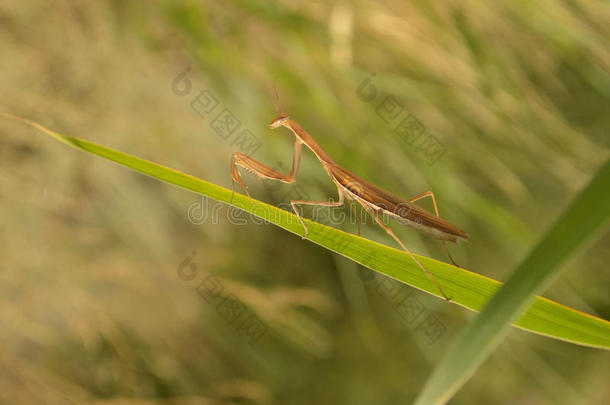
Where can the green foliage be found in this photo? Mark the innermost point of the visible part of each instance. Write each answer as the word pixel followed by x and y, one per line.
pixel 516 92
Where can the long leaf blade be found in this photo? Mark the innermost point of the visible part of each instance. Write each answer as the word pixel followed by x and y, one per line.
pixel 468 289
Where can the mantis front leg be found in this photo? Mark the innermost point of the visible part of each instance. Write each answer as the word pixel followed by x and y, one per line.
pixel 262 171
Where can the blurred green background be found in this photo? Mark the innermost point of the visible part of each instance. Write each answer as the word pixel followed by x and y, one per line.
pixel 96 305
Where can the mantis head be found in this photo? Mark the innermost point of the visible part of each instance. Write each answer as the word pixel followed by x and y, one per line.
pixel 279 121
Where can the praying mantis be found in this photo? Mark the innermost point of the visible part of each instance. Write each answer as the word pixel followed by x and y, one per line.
pixel 373 199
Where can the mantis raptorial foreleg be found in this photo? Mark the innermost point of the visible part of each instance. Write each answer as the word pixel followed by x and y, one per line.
pixel 373 211
pixel 431 195
pixel 261 170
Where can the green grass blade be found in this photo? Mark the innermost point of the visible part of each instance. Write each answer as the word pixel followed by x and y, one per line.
pixel 588 213
pixel 466 288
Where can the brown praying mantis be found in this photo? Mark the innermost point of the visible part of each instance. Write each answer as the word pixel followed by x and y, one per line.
pixel 373 199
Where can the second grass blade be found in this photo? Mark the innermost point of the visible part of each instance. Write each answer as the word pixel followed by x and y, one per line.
pixel 587 214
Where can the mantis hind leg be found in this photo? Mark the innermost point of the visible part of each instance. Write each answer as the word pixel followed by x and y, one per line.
pixel 431 195
pixel 375 215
